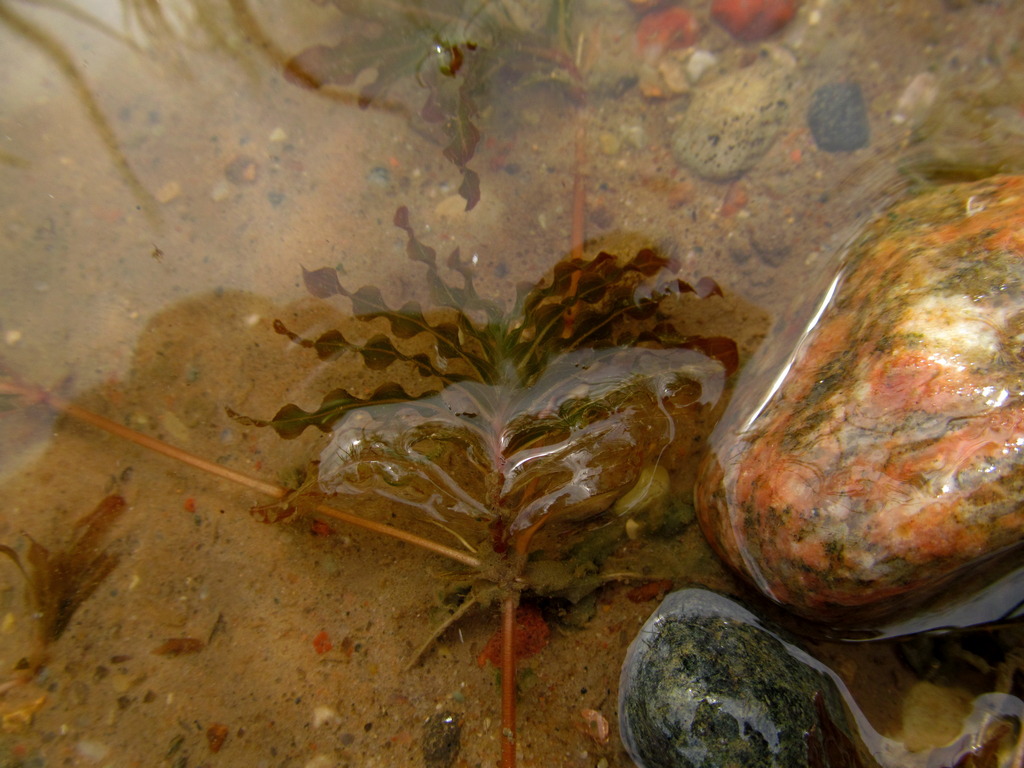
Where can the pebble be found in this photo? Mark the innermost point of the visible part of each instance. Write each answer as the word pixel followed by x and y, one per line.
pixel 168 192
pixel 708 684
pixel 442 739
pixel 93 751
pixel 634 135
pixel 917 99
pixel 323 715
pixel 242 170
pixel 379 176
pixel 838 117
pixel 452 208
pixel 610 143
pixel 752 20
pixel 733 121
pixel 221 190
pixel 933 715
pixel 700 61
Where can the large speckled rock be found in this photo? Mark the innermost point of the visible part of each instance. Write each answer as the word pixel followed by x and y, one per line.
pixel 882 462
pixel 706 685
pixel 733 121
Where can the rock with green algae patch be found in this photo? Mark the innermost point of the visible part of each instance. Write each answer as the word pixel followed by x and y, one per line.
pixel 706 685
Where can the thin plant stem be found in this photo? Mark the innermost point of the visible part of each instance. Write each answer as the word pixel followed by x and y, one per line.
pixel 72 74
pixel 269 489
pixel 508 680
pixel 579 194
pixel 461 611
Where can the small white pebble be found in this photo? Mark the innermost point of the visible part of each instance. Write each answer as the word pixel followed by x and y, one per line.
pixel 814 18
pixel 634 135
pixel 134 582
pixel 278 135
pixel 12 337
pixel 93 751
pixel 917 99
pixel 700 62
pixel 220 191
pixel 251 320
pixel 324 715
pixel 168 192
pixel 322 761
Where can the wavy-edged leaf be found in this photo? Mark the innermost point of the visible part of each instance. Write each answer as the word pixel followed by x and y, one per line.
pixel 291 420
pixel 551 409
pixel 322 283
pixel 328 346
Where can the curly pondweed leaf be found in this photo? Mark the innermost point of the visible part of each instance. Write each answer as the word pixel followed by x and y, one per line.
pixel 549 410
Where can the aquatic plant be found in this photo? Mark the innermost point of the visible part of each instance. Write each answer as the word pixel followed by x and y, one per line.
pixel 459 53
pixel 58 581
pixel 526 426
pixel 519 433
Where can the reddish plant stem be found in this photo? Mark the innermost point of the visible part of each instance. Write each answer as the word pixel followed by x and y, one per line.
pixel 579 195
pixel 274 491
pixel 508 679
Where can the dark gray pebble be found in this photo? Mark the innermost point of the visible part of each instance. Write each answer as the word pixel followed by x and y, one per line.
pixel 707 685
pixel 442 738
pixel 838 118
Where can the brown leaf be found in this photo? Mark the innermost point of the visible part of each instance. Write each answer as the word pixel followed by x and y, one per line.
pixel 179 646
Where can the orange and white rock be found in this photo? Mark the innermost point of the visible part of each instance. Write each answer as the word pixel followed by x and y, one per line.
pixel 884 460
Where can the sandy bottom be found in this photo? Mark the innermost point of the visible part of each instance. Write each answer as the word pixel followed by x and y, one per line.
pixel 154 309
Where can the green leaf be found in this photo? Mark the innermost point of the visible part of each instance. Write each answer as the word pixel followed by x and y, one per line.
pixel 291 420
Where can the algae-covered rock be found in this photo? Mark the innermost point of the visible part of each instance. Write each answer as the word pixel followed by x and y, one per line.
pixel 707 685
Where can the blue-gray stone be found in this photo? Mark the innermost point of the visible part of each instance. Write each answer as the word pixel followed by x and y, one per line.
pixel 838 118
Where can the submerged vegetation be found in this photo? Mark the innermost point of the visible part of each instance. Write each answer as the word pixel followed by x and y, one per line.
pixel 520 443
pixel 527 425
pixel 460 53
pixel 547 412
pixel 526 436
pixel 58 581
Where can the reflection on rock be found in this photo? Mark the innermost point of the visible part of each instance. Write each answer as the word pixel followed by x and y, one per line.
pixel 882 462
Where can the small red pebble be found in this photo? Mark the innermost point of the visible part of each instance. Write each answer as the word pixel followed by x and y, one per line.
pixel 190 505
pixel 322 643
pixel 216 735
pixel 320 528
pixel 752 20
pixel 666 30
pixel 735 200
pixel 649 591
pixel 532 634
